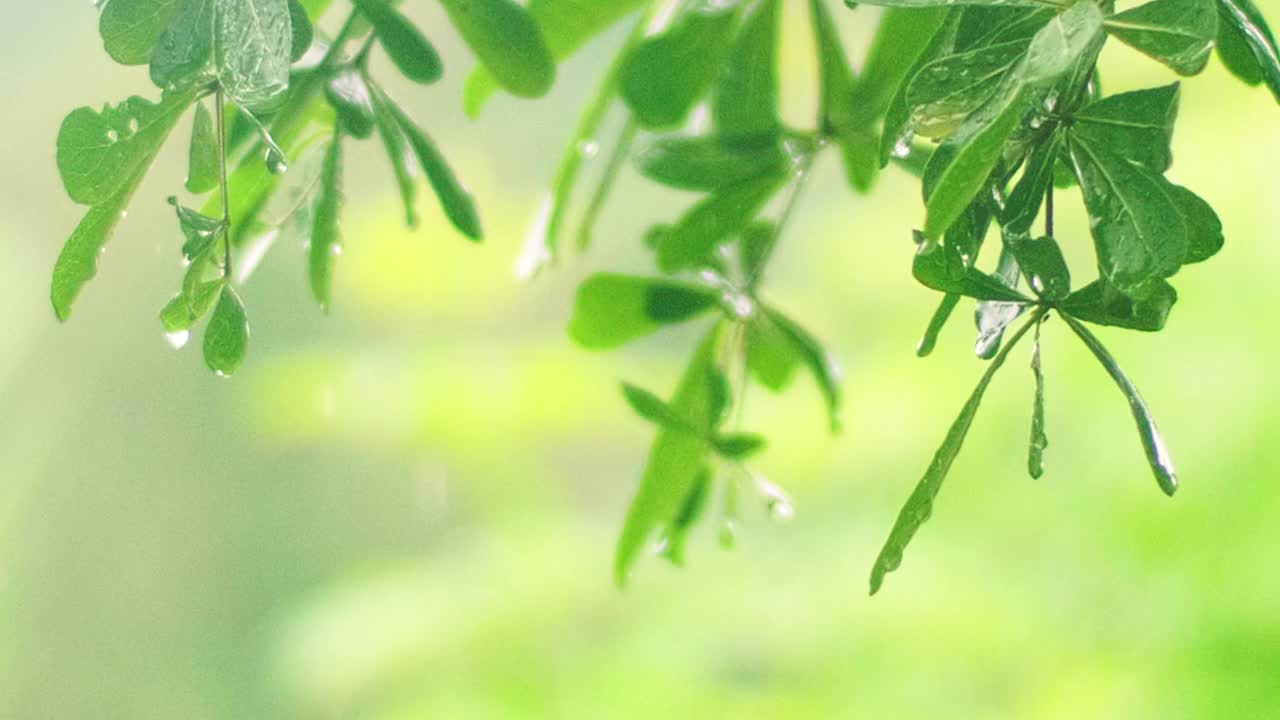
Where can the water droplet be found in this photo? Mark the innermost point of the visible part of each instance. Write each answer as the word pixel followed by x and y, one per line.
pixel 776 501
pixel 277 164
pixel 902 148
pixel 336 250
pixel 178 340
pixel 660 545
pixel 537 250
pixel 728 534
pixel 743 307
pixel 589 149
pixel 112 136
pixel 133 125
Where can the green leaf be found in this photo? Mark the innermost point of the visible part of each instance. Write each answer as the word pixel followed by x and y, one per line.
pixel 454 198
pixel 408 48
pixel 226 338
pixel 947 90
pixel 665 75
pixel 755 245
pixel 326 241
pixel 1138 231
pixel 895 140
pixel 1042 262
pixel 80 160
pixel 188 306
pixel 745 101
pixel 200 230
pixel 303 33
pixel 919 506
pixel 901 45
pixel 1235 52
pixel 100 152
pixel 1023 206
pixel 676 461
pixel 506 40
pixel 1245 17
pixel 1178 33
pixel 351 99
pixel 822 364
pixel 130 28
pixel 398 152
pixel 737 446
pixel 939 266
pixel 1146 309
pixel 612 309
pixel 1152 443
pixel 183 55
pixel 706 163
pixel 859 143
pixel 253 40
pixel 1204 229
pixel 652 408
pixel 566 25
pixel 695 504
pixel 771 356
pixel 1137 126
pixel 722 214
pixel 202 158
pixel 941 3
pixel 1039 440
pixel 937 321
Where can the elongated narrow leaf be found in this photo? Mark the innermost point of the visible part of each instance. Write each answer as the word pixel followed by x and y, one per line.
pixel 1138 232
pixel 408 48
pixel 130 28
pixel 1152 442
pixel 566 25
pixel 676 461
pixel 859 141
pixel 693 239
pixel 745 101
pixel 1039 440
pixel 1178 33
pixel 108 192
pixel 677 534
pixel 1137 126
pixel 253 41
pixel 351 99
pixel 506 40
pixel 326 240
pixel 1245 17
pixel 226 338
pixel 399 153
pixel 202 158
pixel 821 363
pixel 1146 308
pixel 737 446
pixel 1023 205
pixel 920 505
pixel 664 76
pixel 936 322
pixel 706 163
pixel 453 196
pixel 303 33
pixel 183 55
pixel 612 309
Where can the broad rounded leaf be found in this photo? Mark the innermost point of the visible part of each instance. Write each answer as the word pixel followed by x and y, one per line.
pixel 613 309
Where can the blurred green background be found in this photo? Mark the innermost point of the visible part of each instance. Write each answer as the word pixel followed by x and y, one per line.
pixel 407 509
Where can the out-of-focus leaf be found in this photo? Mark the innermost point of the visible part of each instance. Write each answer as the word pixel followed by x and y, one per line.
pixel 202 158
pixel 506 39
pixel 821 363
pixel 326 240
pixel 454 198
pixel 722 214
pixel 652 408
pixel 404 43
pixel 183 54
pixel 613 309
pixel 303 31
pixel 399 152
pixel 351 99
pixel 737 446
pixel 665 75
pixel 744 103
pixel 706 163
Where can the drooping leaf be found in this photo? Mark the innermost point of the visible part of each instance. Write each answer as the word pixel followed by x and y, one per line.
pixel 326 240
pixel 351 99
pixel 226 338
pixel 130 28
pixel 186 308
pixel 652 408
pixel 676 461
pixel 665 75
pixel 1138 232
pixel 1041 261
pixel 408 48
pixel 612 309
pixel 253 41
pixel 1204 229
pixel 1039 440
pixel 859 141
pixel 453 196
pixel 821 363
pixel 1023 205
pixel 507 42
pixel 1146 308
pixel 1244 16
pixel 1178 33
pixel 183 54
pixel 737 446
pixel 1152 442
pixel 936 322
pixel 772 357
pixel 940 267
pixel 755 245
pixel 399 153
pixel 199 229
pixel 695 503
pixel 1236 46
pixel 82 151
pixel 903 41
pixel 919 506
pixel 744 103
pixel 566 25
pixel 202 158
pixel 721 215
pixel 1137 126
pixel 706 163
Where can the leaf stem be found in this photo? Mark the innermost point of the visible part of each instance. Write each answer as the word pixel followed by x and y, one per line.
pixel 1048 211
pixel 797 188
pixel 220 116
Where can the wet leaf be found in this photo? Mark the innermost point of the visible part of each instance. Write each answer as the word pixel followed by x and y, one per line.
pixel 226 338
pixel 202 158
pixel 1146 309
pixel 1137 126
pixel 1204 229
pixel 948 89
pixel 130 28
pixel 1042 263
pixel 936 322
pixel 1039 440
pixel 1246 44
pixel 940 267
pixel 1178 33
pixel 992 316
pixel 351 99
pixel 253 42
